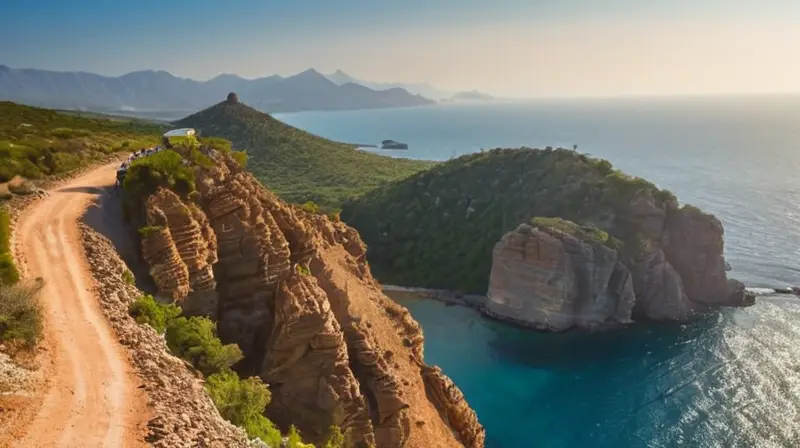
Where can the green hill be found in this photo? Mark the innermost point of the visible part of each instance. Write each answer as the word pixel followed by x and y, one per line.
pixel 437 229
pixel 35 142
pixel 297 165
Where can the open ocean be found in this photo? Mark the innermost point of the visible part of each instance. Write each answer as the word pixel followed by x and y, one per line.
pixel 730 380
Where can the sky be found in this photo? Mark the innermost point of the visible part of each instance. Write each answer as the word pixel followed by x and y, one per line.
pixel 514 48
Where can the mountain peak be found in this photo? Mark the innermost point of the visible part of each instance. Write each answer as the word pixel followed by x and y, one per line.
pixel 310 72
pixel 227 76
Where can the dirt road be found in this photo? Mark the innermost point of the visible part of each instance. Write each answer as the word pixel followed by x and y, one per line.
pixel 92 398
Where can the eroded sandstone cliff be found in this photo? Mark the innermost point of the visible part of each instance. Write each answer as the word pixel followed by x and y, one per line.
pixel 550 274
pixel 293 290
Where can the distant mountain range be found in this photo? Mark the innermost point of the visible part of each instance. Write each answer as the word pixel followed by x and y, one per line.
pixel 151 92
pixel 424 89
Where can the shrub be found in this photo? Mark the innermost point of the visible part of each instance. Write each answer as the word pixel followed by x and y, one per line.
pixel 69 133
pixel 180 140
pixel 240 157
pixel 335 215
pixel 20 313
pixel 162 169
pixel 8 270
pixel 570 228
pixel 199 158
pixel 128 278
pixel 335 438
pixel 63 162
pixel 242 402
pixel 220 144
pixel 149 230
pixel 310 207
pixel 195 340
pixel 302 270
pixel 147 311
pixel 5 231
pixel 294 440
pixel 604 166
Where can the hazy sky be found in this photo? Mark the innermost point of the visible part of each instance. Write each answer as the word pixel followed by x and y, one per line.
pixel 505 47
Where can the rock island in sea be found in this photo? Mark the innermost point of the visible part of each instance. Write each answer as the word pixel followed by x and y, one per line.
pixel 554 238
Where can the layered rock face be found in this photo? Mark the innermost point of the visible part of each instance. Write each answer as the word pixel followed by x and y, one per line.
pixel 670 267
pixel 293 290
pixel 555 281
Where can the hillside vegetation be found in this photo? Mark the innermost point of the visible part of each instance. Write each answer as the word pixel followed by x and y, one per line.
pixel 437 229
pixel 35 142
pixel 297 165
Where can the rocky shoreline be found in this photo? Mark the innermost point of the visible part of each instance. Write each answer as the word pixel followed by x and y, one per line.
pixel 477 302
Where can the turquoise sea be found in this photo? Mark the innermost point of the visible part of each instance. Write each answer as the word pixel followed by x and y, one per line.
pixel 730 380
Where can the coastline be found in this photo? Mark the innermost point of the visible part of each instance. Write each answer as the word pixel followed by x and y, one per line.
pixel 452 298
pixel 474 301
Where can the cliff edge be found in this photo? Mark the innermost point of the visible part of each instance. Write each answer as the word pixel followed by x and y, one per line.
pixel 292 288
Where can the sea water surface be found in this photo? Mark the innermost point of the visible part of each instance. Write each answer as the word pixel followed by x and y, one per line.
pixel 730 380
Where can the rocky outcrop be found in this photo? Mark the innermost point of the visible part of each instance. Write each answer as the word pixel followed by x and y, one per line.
pixel 693 244
pixel 450 400
pixel 180 247
pixel 306 362
pixel 660 292
pixel 293 290
pixel 548 279
pixel 669 265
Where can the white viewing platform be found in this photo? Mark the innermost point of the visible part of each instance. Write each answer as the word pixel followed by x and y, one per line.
pixel 183 132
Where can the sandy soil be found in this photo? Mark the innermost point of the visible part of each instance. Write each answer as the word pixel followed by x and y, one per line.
pixel 92 397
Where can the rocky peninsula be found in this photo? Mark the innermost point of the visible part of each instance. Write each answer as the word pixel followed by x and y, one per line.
pixel 554 238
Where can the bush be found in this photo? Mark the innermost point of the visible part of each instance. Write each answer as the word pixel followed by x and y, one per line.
pixel 589 233
pixel 335 438
pixel 240 157
pixel 128 278
pixel 195 340
pixel 147 311
pixel 148 230
pixel 220 144
pixel 335 215
pixel 20 314
pixel 294 440
pixel 5 231
pixel 242 402
pixel 162 169
pixel 310 207
pixel 8 270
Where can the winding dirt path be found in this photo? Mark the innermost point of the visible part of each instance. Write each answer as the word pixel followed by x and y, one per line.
pixel 92 398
